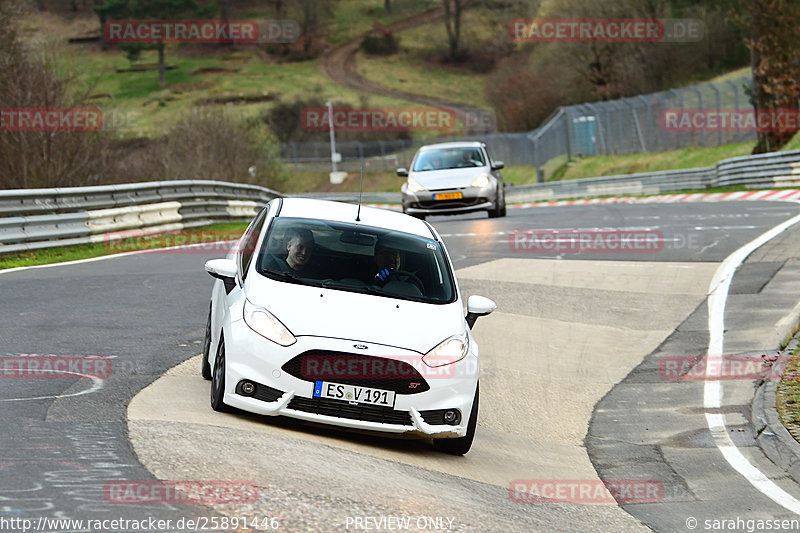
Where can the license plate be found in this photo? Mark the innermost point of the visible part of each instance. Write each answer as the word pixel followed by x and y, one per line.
pixel 353 394
pixel 448 196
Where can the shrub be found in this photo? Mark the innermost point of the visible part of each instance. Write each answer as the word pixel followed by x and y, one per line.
pixel 214 145
pixel 380 45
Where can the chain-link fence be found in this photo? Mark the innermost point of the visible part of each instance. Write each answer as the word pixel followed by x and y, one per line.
pixel 648 123
pixel 511 148
pixel 628 125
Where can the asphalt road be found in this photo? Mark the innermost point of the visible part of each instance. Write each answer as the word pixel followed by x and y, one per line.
pixel 66 439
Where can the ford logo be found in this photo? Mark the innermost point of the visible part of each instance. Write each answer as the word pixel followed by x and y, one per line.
pixel 360 346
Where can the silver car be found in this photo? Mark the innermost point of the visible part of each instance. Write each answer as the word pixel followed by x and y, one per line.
pixel 453 178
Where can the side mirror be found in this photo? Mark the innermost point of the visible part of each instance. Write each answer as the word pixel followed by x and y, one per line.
pixel 225 270
pixel 497 165
pixel 402 172
pixel 478 306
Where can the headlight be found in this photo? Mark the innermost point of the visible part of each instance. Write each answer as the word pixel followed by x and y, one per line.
pixel 414 186
pixel 265 324
pixel 448 351
pixel 481 181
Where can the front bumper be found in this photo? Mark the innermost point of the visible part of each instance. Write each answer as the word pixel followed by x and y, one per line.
pixel 472 199
pixel 251 357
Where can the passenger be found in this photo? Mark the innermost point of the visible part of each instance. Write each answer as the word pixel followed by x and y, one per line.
pixel 387 260
pixel 300 248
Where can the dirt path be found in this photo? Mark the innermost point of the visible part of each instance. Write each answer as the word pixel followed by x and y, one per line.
pixel 339 64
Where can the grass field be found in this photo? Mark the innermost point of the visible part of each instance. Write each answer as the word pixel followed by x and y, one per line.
pixel 417 70
pixel 788 396
pixel 695 157
pixel 137 106
pixel 355 17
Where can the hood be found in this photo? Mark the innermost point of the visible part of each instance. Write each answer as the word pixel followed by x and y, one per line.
pixel 449 178
pixel 319 312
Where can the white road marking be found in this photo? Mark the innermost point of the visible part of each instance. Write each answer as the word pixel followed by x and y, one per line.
pixel 712 394
pixel 97 384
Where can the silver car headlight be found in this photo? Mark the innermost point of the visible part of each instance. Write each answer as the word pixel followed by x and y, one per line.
pixel 265 324
pixel 447 352
pixel 481 181
pixel 414 186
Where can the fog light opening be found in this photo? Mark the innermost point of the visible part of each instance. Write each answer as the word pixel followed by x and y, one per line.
pixel 452 417
pixel 247 388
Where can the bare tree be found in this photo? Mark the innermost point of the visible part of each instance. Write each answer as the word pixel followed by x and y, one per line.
pixel 453 11
pixel 41 158
pixel 775 61
pixel 313 15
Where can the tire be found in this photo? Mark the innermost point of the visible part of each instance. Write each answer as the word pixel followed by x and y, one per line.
pixel 461 445
pixel 218 381
pixel 500 209
pixel 206 366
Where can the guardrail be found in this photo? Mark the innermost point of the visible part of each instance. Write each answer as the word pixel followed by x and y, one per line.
pixel 42 218
pixel 32 219
pixel 776 169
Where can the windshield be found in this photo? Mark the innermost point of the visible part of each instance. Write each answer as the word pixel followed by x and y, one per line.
pixel 356 258
pixel 449 158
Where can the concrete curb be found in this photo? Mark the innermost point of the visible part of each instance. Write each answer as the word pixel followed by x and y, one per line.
pixel 773 438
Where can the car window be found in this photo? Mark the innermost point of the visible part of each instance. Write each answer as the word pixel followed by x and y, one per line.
pixel 249 242
pixel 449 158
pixel 344 256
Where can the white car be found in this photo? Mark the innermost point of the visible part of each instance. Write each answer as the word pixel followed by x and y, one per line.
pixel 345 315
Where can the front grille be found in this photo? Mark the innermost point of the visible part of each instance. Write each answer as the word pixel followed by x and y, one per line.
pixel 340 409
pixel 366 371
pixel 447 204
pixel 267 394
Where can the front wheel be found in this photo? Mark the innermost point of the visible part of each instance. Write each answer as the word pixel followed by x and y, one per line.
pixel 218 380
pixel 461 445
pixel 500 208
pixel 206 366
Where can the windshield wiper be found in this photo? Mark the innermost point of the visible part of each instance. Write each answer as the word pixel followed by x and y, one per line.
pixel 334 284
pixel 286 276
pixel 375 290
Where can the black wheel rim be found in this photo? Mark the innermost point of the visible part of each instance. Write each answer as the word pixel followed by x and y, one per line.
pixel 207 340
pixel 219 372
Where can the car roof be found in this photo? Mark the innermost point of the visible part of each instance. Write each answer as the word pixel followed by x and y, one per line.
pixel 346 212
pixel 460 144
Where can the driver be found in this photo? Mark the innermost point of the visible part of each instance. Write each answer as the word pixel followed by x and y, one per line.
pixel 387 260
pixel 468 159
pixel 299 248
